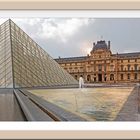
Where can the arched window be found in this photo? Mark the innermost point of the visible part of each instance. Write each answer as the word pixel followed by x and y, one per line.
pixel 111 77
pixel 128 67
pixel 76 77
pixel 88 78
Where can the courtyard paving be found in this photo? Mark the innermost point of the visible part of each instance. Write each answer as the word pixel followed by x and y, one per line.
pixel 96 104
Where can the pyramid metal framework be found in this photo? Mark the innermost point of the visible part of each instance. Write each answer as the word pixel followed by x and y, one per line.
pixel 23 63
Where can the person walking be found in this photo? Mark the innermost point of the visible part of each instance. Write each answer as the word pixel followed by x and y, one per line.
pixel 81 82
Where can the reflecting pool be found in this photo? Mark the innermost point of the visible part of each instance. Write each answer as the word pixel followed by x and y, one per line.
pixel 100 104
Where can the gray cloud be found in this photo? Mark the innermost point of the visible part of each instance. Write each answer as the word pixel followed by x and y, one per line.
pixel 67 37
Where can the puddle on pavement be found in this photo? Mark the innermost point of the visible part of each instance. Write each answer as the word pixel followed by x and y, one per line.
pixel 100 104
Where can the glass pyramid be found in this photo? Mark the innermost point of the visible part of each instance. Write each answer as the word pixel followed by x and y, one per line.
pixel 23 63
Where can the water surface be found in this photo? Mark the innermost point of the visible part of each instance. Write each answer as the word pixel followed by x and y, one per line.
pixel 100 104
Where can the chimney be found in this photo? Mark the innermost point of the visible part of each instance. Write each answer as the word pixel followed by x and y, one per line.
pixel 108 44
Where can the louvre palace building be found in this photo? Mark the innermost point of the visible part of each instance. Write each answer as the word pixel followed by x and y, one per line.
pixel 101 66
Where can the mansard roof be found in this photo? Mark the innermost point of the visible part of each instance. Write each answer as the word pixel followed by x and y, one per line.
pixel 82 58
pixel 100 45
pixel 128 55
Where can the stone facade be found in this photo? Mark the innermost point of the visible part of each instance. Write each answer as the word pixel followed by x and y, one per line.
pixel 102 66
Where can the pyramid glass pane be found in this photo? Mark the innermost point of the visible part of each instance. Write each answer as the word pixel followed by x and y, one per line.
pixel 6 79
pixel 32 66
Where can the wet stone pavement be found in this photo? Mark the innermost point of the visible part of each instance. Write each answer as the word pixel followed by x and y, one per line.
pixel 96 104
pixel 9 108
pixel 129 111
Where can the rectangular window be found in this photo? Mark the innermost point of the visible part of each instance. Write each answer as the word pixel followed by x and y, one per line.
pixel 121 76
pixel 62 64
pixel 88 69
pixel 104 67
pixel 94 68
pixel 78 64
pixel 136 67
pixel 128 76
pixel 99 67
pixel 136 76
pixel 81 69
pixel 112 68
pixel 121 67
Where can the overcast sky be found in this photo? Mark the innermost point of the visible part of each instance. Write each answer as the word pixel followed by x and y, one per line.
pixel 67 37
